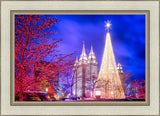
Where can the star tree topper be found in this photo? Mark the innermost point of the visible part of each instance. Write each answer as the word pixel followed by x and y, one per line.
pixel 108 25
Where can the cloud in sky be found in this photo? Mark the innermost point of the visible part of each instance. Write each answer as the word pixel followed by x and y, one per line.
pixel 127 36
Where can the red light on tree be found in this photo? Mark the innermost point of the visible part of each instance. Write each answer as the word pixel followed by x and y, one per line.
pixel 33 43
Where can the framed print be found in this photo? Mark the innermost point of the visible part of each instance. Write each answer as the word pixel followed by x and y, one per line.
pixel 80 58
pixel 93 79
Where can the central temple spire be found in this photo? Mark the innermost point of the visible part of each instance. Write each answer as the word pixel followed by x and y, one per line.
pixel 83 50
pixel 91 49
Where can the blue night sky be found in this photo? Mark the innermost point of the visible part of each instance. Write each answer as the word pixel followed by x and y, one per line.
pixel 127 36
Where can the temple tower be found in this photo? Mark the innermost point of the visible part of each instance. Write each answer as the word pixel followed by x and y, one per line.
pixel 121 74
pixel 85 73
pixel 91 73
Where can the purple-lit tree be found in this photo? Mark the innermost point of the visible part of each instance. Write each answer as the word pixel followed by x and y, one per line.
pixel 67 80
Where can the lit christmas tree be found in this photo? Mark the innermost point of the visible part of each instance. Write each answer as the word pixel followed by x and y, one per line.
pixel 108 83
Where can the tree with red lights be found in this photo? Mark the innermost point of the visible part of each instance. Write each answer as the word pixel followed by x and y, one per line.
pixel 136 90
pixel 142 89
pixel 34 43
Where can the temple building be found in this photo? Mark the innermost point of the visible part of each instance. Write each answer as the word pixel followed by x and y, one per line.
pixel 85 73
pixel 108 83
pixel 121 74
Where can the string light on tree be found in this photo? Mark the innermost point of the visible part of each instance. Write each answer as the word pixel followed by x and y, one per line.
pixel 46 89
pixel 108 79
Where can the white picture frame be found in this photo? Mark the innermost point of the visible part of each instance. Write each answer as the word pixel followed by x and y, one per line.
pixel 8 6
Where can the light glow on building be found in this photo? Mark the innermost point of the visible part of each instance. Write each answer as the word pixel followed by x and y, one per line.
pixel 98 93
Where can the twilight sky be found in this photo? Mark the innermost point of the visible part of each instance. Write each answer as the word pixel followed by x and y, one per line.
pixel 127 36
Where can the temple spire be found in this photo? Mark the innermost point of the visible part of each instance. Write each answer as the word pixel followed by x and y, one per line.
pixel 83 50
pixel 119 67
pixel 91 54
pixel 76 58
pixel 76 62
pixel 91 49
pixel 83 55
